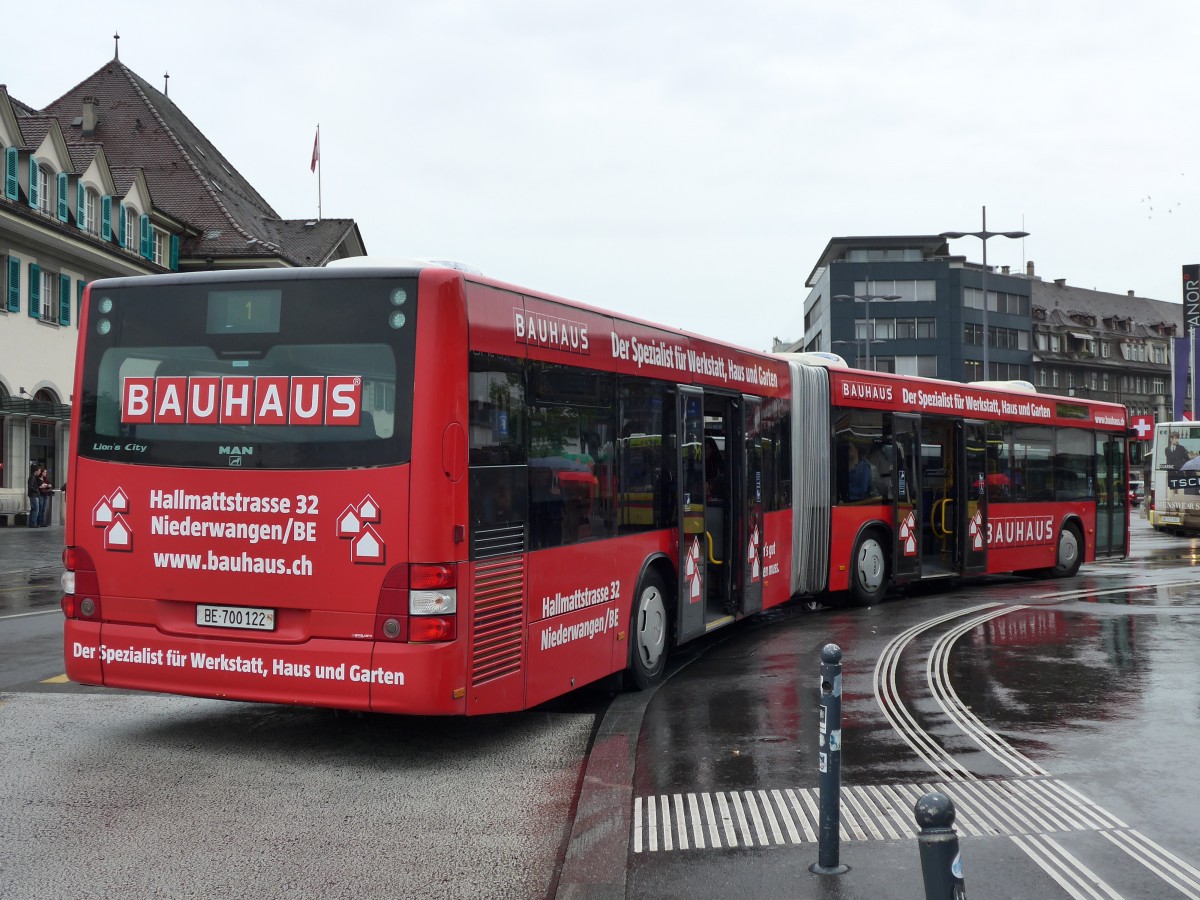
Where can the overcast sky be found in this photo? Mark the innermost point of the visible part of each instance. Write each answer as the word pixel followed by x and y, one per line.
pixel 687 162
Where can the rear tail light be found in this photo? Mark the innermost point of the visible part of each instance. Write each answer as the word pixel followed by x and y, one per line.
pixel 418 603
pixel 81 587
pixel 432 602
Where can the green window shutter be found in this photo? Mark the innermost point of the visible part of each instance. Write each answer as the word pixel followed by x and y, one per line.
pixel 79 286
pixel 62 196
pixel 64 299
pixel 80 204
pixel 35 291
pixel 106 217
pixel 14 284
pixel 33 181
pixel 174 253
pixel 121 214
pixel 12 185
pixel 147 241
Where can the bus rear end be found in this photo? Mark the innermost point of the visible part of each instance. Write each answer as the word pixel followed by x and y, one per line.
pixel 240 483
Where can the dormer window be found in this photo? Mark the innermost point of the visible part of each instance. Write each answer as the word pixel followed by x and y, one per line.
pixel 43 189
pixel 91 205
pixel 129 228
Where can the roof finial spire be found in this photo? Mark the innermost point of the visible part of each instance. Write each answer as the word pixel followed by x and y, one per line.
pixel 166 84
pixel 116 45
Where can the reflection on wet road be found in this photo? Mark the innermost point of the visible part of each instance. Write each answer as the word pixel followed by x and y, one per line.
pixel 1055 714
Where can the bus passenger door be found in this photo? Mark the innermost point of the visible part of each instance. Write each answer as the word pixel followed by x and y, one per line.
pixel 906 546
pixel 693 553
pixel 1112 503
pixel 972 497
pixel 750 493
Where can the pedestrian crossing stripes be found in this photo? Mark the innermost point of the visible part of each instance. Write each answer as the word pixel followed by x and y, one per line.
pixel 760 818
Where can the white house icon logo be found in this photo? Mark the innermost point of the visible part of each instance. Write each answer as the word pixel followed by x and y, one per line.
pixel 107 514
pixel 356 524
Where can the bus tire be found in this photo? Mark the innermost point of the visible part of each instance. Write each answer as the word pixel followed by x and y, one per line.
pixel 649 633
pixel 1070 553
pixel 868 569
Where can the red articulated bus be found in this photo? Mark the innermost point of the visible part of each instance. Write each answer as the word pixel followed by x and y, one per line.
pixel 411 489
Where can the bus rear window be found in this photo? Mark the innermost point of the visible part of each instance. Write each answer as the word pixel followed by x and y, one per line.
pixel 314 374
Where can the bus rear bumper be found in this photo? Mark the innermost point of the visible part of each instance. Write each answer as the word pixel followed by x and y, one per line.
pixel 413 679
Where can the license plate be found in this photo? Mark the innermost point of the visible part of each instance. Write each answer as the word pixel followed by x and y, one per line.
pixel 235 617
pixel 1170 520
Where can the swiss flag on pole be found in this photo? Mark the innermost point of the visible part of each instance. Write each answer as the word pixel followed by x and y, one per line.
pixel 1143 427
pixel 316 149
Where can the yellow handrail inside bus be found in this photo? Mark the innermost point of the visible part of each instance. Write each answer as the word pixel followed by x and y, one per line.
pixel 712 559
pixel 937 516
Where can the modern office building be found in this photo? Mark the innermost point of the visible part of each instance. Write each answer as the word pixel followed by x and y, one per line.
pixel 904 304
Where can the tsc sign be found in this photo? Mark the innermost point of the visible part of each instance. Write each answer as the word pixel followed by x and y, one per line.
pixel 242 400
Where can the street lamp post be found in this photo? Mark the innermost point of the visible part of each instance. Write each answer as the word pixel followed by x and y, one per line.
pixel 983 237
pixel 866 299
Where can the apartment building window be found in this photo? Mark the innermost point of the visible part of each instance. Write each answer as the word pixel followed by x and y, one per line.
pixel 129 231
pixel 1160 354
pixel 1009 338
pixel 920 329
pixel 998 301
pixel 1105 350
pixel 972 370
pixel 47 296
pixel 1160 386
pixel 907 290
pixel 160 244
pixel 1054 377
pixel 43 189
pixel 1001 371
pixel 1041 377
pixel 925 366
pixel 90 204
pixel 1104 382
pixel 973 334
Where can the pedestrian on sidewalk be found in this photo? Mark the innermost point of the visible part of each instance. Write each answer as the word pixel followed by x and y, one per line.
pixel 47 489
pixel 34 490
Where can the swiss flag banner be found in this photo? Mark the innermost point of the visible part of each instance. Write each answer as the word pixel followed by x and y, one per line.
pixel 316 149
pixel 1143 427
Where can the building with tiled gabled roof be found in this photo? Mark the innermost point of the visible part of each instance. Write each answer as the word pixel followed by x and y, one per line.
pixel 112 179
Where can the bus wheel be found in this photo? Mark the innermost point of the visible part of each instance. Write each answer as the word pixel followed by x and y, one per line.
pixel 868 570
pixel 650 632
pixel 1070 553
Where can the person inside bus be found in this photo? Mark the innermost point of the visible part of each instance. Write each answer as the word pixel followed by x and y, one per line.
pixel 715 482
pixel 860 475
pixel 1175 454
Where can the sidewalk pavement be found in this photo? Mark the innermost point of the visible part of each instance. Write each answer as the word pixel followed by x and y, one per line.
pixel 23 548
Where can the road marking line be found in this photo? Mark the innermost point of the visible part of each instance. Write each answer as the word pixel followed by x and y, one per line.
pixel 697 823
pixel 57 679
pixel 42 612
pixel 1140 847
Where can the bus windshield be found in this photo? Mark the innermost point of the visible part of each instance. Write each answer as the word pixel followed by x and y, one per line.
pixel 288 374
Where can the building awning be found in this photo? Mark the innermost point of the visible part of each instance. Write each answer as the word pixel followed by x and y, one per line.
pixel 1080 336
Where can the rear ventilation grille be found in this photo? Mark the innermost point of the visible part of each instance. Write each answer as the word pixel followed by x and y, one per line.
pixel 499 619
pixel 499 540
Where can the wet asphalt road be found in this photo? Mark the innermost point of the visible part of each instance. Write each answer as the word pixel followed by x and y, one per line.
pixel 1061 715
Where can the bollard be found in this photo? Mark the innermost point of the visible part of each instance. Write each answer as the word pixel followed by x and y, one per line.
pixel 829 779
pixel 941 864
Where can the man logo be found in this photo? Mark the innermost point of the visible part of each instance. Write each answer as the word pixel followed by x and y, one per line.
pixel 235 451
